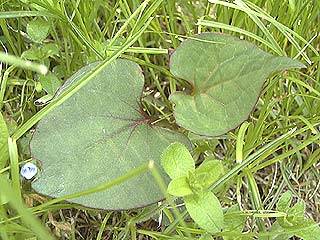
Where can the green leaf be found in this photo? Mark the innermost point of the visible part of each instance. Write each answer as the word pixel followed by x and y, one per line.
pixel 226 75
pixel 23 144
pixel 44 99
pixel 3 195
pixel 283 205
pixel 40 52
pixel 179 187
pixel 306 229
pixel 296 213
pixel 50 83
pixel 284 202
pixel 100 134
pixel 177 160
pixel 34 53
pixel 38 29
pixel 310 231
pixel 4 134
pixel 206 236
pixel 295 223
pixel 279 233
pixel 208 172
pixel 233 222
pixel 49 50
pixel 205 210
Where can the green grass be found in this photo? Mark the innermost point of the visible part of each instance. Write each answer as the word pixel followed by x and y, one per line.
pixel 264 157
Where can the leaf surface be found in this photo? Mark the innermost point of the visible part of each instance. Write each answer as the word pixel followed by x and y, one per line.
pixel 177 160
pixel 99 134
pixel 295 222
pixel 209 172
pixel 38 29
pixel 284 202
pixel 311 230
pixel 226 75
pixel 4 134
pixel 179 187
pixel 50 83
pixel 205 210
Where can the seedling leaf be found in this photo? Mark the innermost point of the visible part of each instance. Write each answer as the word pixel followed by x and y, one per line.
pixel 38 29
pixel 284 202
pixel 311 230
pixel 278 233
pixel 177 160
pixel 179 187
pixel 40 52
pixel 50 83
pixel 205 210
pixel 295 223
pixel 208 172
pixel 296 212
pixel 226 75
pixel 100 134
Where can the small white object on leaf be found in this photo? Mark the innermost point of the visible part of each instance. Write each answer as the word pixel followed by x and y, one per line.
pixel 28 170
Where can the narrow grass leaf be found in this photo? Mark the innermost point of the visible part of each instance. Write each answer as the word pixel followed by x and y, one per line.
pixel 29 220
pixel 208 23
pixel 255 198
pixel 13 60
pixel 240 142
pixel 261 25
pixel 19 14
pixel 14 166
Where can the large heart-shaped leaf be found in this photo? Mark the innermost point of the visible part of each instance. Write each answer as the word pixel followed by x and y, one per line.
pixel 226 75
pixel 99 134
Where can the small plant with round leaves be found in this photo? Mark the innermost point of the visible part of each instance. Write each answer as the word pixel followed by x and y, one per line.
pixel 193 185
